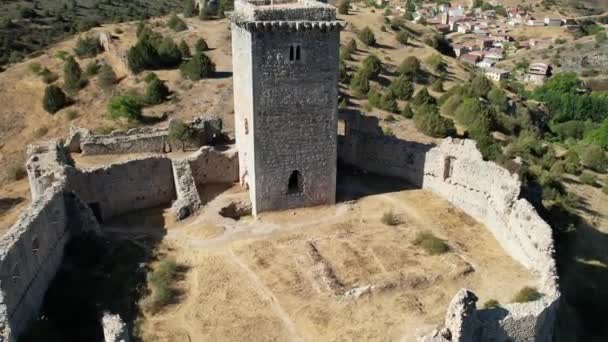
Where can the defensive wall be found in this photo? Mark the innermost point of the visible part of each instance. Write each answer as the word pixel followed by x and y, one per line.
pixel 456 171
pixel 67 199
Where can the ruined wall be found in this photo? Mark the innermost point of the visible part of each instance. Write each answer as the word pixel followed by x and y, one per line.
pixel 210 165
pixel 124 187
pixel 32 251
pixel 456 171
pixel 44 162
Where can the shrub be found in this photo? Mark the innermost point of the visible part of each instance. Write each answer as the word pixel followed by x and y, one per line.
pixel 54 99
pixel 430 243
pixel 389 218
pixel 343 7
pixel 72 75
pixel 423 97
pixel 71 114
pixel 87 47
pixel 437 86
pixel 92 69
pixel 351 46
pixel 176 23
pixel 189 9
pixel 184 49
pixel 150 77
pixel 106 78
pixel 153 51
pixel 156 92
pixel 201 45
pixel 396 24
pixel 200 66
pixel 451 104
pixel 593 157
pixel 588 178
pixel 605 187
pixel 407 111
pixel 491 304
pixel 161 281
pixel 345 54
pixel 124 106
pixel 41 132
pixel 527 294
pixel 410 66
pixel 63 55
pixel 47 76
pixel 118 30
pixel 180 131
pixel 403 37
pixel 384 101
pixel 428 121
pixel 481 86
pixel 35 68
pixel 371 66
pixel 359 84
pixel 367 37
pixel 435 62
pixel 402 87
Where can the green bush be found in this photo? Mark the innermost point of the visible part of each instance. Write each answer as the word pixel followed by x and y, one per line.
pixel 527 294
pixel 481 86
pixel 359 84
pixel 435 62
pixel 450 105
pixel 189 8
pixel 410 66
pixel 92 69
pixel 72 75
pixel 156 92
pixel 605 187
pixel 35 68
pixel 423 97
pixel 176 23
pixel 87 47
pixel 345 54
pixel 468 111
pixel 161 281
pixel 407 111
pixel 125 106
pixel 403 37
pixel 343 7
pixel 367 37
pixel 389 218
pixel 385 101
pixel 351 46
pixel 428 121
pixel 106 78
pixel 153 51
pixel 201 45
pixel 430 243
pixel 402 87
pixel 180 131
pixel 199 67
pixel 437 86
pixel 54 99
pixel 47 76
pixel 491 304
pixel 151 76
pixel 184 49
pixel 593 157
pixel 371 66
pixel 60 54
pixel 588 178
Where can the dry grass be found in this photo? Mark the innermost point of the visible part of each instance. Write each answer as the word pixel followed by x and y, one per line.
pixel 430 243
pixel 527 294
pixel 390 219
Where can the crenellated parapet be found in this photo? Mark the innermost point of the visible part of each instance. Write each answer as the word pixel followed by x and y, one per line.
pixel 290 26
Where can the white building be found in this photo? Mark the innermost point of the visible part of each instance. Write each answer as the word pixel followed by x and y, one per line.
pixel 496 74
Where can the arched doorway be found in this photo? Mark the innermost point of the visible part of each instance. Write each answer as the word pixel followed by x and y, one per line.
pixel 296 182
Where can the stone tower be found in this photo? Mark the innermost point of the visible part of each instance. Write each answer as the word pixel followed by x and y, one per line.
pixel 285 71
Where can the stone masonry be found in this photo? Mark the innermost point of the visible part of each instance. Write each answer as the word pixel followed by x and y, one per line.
pixel 285 62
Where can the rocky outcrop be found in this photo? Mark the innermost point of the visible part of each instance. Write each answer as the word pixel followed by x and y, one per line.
pixel 114 329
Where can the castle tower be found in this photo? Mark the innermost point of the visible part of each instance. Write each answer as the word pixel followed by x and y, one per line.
pixel 285 72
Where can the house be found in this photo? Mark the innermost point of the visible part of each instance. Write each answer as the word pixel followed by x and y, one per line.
pixel 553 21
pixel 489 14
pixel 470 58
pixel 442 28
pixel 460 50
pixel 485 42
pixel 480 54
pixel 485 64
pixel 538 73
pixel 462 28
pixel 496 74
pixel 495 54
pixel 456 11
pixel 501 37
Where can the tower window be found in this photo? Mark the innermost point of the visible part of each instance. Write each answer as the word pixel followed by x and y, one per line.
pixel 294 52
pixel 246 126
pixel 295 185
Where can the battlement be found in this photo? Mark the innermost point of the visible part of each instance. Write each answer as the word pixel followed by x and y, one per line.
pixel 282 10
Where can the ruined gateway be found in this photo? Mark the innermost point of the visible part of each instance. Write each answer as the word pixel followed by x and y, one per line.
pixel 285 63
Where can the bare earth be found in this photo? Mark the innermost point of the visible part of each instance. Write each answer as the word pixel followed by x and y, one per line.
pixel 325 273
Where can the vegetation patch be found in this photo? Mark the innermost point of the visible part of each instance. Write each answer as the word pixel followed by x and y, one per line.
pixel 430 243
pixel 527 294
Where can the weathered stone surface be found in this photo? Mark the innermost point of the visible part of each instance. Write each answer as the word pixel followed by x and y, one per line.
pixel 286 93
pixel 188 201
pixel 44 162
pixel 461 318
pixel 114 329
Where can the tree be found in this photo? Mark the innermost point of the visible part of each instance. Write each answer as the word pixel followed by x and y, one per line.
pixel 225 6
pixel 54 99
pixel 410 66
pixel 498 98
pixel 407 111
pixel 351 46
pixel 189 8
pixel 481 86
pixel 468 111
pixel 367 37
pixel 87 47
pixel 184 49
pixel 156 92
pixel 343 7
pixel 180 131
pixel 385 101
pixel 437 86
pixel 72 75
pixel 106 77
pixel 201 45
pixel 169 54
pixel 176 23
pixel 200 66
pixel 125 106
pixel 601 37
pixel 423 98
pixel 371 66
pixel 450 105
pixel 429 122
pixel 403 37
pixel 593 157
pixel 435 62
pixel 359 84
pixel 599 136
pixel 402 87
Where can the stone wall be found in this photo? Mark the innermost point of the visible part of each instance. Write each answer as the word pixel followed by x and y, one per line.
pixel 32 251
pixel 44 162
pixel 456 171
pixel 124 187
pixel 284 10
